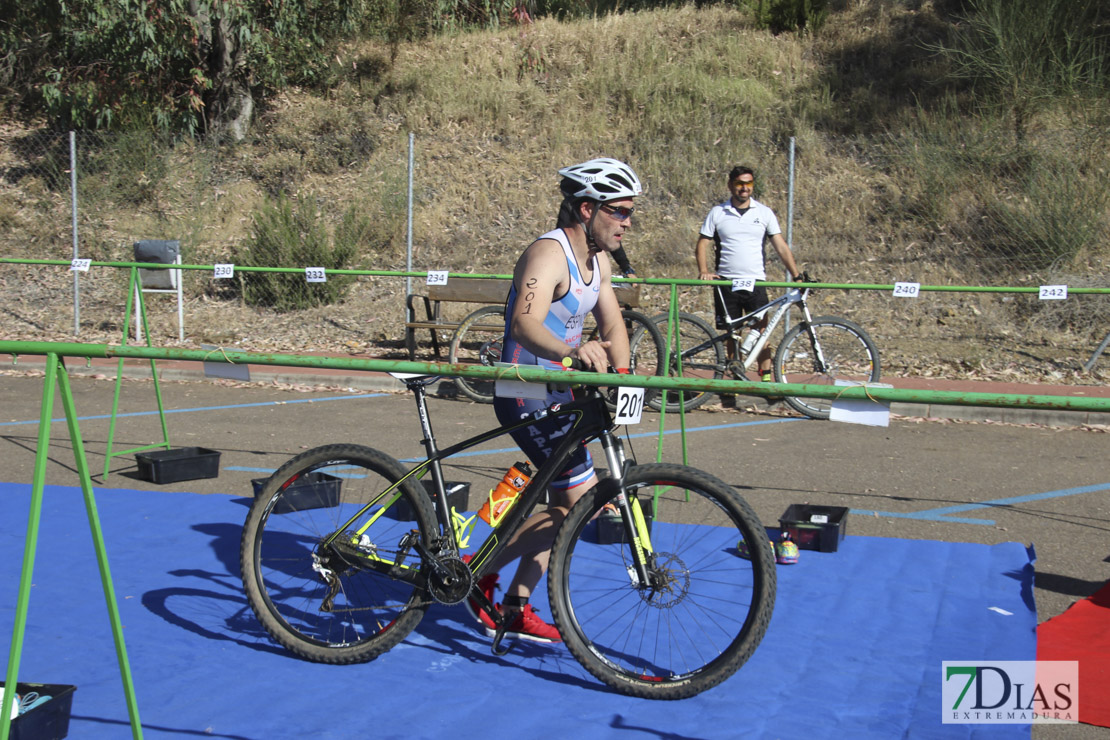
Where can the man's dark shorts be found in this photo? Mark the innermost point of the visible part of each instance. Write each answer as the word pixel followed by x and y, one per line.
pixel 538 441
pixel 738 303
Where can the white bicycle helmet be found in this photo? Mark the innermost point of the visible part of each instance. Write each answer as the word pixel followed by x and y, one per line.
pixel 601 179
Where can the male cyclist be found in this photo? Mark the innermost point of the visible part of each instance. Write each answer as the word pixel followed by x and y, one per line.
pixel 558 279
pixel 737 230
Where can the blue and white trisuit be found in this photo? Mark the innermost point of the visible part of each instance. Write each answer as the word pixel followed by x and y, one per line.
pixel 564 320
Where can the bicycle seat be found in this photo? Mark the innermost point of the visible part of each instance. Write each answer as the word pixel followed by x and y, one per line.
pixel 413 379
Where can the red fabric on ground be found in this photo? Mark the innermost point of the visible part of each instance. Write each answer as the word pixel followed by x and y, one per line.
pixel 1082 633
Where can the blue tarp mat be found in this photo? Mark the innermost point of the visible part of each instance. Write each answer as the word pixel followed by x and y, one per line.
pixel 854 648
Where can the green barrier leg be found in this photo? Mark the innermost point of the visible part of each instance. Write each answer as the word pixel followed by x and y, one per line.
pixel 30 546
pixel 53 379
pixel 133 290
pixel 101 552
pixel 663 393
pixel 681 394
pixel 674 342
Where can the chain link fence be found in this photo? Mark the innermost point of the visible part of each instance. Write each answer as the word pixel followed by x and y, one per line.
pixel 955 210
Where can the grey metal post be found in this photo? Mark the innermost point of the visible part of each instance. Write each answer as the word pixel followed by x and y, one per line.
pixel 408 243
pixel 789 223
pixel 73 199
pixel 790 200
pixel 1094 358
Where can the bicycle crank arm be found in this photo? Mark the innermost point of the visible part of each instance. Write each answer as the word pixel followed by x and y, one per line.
pixel 497 648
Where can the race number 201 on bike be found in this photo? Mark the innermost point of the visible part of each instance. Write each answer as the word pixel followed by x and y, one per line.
pixel 345 548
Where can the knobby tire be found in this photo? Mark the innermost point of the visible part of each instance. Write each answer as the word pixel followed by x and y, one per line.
pixel 304 501
pixel 710 607
pixel 848 351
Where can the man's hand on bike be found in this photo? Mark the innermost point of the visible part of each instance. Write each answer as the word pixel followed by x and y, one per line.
pixel 592 355
pixel 804 278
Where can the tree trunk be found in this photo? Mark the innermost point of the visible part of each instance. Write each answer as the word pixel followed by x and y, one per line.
pixel 229 104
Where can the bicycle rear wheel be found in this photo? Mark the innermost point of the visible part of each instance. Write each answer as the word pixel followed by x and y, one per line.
pixel 335 603
pixel 706 609
pixel 478 341
pixel 821 352
pixel 697 361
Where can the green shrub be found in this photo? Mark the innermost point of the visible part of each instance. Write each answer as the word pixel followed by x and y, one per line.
pixel 780 16
pixel 294 233
pixel 1056 216
pixel 1022 53
pixel 126 168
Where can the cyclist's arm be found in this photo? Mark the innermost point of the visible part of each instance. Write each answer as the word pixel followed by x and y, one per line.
pixel 540 275
pixel 702 250
pixel 785 255
pixel 610 322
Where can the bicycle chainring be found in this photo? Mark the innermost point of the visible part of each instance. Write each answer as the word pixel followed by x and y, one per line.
pixel 450 580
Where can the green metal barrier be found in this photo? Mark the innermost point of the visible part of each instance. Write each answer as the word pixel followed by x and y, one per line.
pixel 134 292
pixel 496 276
pixel 56 376
pixel 861 392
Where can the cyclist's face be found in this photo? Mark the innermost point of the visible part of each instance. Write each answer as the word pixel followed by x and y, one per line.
pixel 610 221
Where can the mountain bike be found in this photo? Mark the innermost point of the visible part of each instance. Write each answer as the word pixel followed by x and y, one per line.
pixel 819 351
pixel 480 336
pixel 343 551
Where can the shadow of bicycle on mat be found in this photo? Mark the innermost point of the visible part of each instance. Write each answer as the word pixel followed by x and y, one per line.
pixel 211 604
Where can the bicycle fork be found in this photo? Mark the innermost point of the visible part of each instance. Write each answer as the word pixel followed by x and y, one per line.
pixel 631 512
pixel 640 572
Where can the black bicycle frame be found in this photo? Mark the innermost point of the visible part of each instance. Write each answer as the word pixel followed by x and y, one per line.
pixel 590 419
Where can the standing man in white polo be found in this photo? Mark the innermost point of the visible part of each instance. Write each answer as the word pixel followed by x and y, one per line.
pixel 737 231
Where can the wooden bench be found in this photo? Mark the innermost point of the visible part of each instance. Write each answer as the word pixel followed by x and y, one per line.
pixel 456 290
pixel 488 292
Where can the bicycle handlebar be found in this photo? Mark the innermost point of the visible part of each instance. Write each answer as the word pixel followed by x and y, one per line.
pixel 573 363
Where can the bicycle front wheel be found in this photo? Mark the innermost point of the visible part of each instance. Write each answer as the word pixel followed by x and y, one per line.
pixel 478 341
pixel 349 598
pixel 821 352
pixel 705 608
pixel 701 357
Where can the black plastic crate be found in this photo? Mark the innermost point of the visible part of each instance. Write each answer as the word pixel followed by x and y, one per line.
pixel 610 528
pixel 47 721
pixel 183 463
pixel 310 491
pixel 458 495
pixel 820 528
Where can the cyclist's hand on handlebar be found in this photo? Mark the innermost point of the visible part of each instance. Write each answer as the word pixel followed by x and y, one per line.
pixel 571 363
pixel 592 355
pixel 804 278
